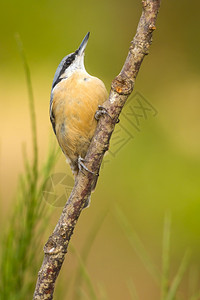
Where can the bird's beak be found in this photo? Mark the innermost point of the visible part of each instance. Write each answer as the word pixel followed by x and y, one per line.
pixel 83 45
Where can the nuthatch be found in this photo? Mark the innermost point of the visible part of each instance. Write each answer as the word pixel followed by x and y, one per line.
pixel 75 98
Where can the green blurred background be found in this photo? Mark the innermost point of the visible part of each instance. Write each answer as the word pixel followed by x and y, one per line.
pixel 156 171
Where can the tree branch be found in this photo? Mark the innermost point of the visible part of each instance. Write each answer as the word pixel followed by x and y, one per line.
pixel 122 86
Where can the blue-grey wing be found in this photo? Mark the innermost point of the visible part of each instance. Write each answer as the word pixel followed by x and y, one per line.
pixel 56 79
pixel 52 119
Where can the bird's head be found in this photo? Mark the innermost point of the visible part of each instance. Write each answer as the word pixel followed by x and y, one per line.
pixel 71 63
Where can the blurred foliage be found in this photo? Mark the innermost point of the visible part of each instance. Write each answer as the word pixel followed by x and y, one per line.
pixel 20 240
pixel 156 170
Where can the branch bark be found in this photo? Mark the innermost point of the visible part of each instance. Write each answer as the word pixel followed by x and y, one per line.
pixel 122 86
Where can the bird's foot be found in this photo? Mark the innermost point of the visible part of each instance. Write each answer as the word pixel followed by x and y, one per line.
pixel 82 167
pixel 102 111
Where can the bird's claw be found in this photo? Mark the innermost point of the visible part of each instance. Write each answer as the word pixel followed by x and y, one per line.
pixel 81 166
pixel 102 111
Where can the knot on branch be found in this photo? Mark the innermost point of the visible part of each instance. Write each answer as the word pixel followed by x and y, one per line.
pixel 51 247
pixel 122 86
pixel 152 27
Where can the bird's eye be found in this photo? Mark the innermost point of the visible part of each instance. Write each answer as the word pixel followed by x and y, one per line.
pixel 69 60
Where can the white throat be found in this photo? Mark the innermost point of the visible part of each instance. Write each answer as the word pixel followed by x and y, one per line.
pixel 77 64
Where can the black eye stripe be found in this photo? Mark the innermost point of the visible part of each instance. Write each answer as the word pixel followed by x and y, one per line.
pixel 66 64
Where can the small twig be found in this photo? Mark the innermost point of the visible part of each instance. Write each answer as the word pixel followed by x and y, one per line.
pixel 122 86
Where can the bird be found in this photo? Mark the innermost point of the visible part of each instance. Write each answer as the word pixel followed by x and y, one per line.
pixel 76 96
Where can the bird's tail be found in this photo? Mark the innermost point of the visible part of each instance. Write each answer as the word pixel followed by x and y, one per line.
pixel 75 170
pixel 87 203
